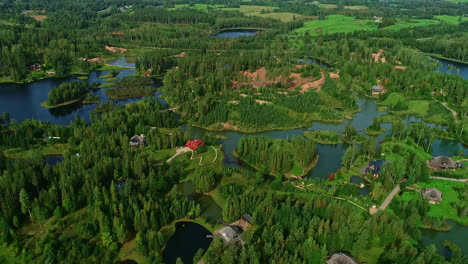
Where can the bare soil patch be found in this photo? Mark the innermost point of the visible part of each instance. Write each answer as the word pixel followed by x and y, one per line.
pixel 39 18
pixel 403 68
pixel 228 126
pixel 115 49
pixel 262 102
pixel 314 85
pixel 94 60
pixel 335 75
pixel 378 56
pixel 180 55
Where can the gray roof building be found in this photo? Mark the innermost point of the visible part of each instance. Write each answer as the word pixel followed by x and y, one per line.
pixel 341 258
pixel 432 194
pixel 138 140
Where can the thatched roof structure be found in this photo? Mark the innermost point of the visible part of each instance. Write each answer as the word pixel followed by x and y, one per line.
pixel 442 162
pixel 138 140
pixel 341 258
pixel 432 194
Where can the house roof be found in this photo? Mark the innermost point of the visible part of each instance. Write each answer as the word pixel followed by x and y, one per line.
pixel 138 140
pixel 194 144
pixel 247 218
pixel 341 258
pixel 377 164
pixel 375 87
pixel 432 194
pixel 443 162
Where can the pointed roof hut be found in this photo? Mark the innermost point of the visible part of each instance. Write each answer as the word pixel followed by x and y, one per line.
pixel 138 140
pixel 432 194
pixel 442 162
pixel 341 258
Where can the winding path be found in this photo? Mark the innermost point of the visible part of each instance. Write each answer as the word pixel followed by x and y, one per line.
pixel 449 179
pixel 183 150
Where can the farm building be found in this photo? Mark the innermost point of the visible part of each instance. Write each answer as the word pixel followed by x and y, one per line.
pixel 443 162
pixel 341 258
pixel 194 144
pixel 138 140
pixel 374 167
pixel 432 194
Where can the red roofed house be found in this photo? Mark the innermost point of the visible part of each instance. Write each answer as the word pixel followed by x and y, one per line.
pixel 194 144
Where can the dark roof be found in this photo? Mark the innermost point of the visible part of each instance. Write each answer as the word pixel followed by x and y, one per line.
pixel 138 140
pixel 247 218
pixel 377 164
pixel 443 162
pixel 432 194
pixel 341 258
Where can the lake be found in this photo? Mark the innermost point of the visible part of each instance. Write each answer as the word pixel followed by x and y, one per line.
pixel 23 101
pixel 235 34
pixel 460 68
pixel 188 238
pixel 457 234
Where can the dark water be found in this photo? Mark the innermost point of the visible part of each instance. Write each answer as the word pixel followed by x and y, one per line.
pixel 23 101
pixel 235 34
pixel 448 67
pixel 357 180
pixel 457 234
pixel 185 242
pixel 53 159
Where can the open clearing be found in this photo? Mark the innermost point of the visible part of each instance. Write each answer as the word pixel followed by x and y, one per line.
pixel 331 6
pixel 335 24
pixel 267 12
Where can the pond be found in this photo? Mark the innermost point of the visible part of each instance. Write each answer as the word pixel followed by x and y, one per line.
pixel 53 159
pixel 358 180
pixel 457 234
pixel 188 238
pixel 23 101
pixel 453 68
pixel 236 33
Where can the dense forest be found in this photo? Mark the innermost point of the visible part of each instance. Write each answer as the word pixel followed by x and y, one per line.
pixel 109 200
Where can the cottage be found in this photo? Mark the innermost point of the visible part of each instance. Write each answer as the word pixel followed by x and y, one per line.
pixel 341 258
pixel 374 167
pixel 138 140
pixel 376 90
pixel 445 163
pixel 194 144
pixel 34 67
pixel 432 194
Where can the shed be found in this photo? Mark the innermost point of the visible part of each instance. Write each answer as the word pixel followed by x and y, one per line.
pixel 247 218
pixel 443 162
pixel 432 194
pixel 376 89
pixel 194 144
pixel 341 258
pixel 138 140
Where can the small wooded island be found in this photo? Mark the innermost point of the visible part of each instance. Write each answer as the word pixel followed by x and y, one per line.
pixel 67 93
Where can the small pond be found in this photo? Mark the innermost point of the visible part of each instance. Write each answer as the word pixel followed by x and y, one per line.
pixel 457 234
pixel 188 238
pixel 236 33
pixel 209 209
pixel 53 159
pixel 358 180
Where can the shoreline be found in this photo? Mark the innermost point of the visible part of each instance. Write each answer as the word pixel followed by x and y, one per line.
pixel 445 58
pixel 47 105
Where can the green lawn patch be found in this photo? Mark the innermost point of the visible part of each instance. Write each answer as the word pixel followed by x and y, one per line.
pixel 46 104
pixel 335 24
pixel 50 149
pixel 371 132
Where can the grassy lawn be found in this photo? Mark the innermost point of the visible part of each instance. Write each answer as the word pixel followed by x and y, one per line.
pixel 446 208
pixel 51 149
pixel 268 12
pixel 374 132
pixel 389 147
pixel 46 104
pixel 335 24
pixel 128 251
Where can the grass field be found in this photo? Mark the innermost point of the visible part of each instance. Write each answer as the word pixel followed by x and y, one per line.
pixel 52 149
pixel 257 11
pixel 331 6
pixel 201 7
pixel 445 209
pixel 335 24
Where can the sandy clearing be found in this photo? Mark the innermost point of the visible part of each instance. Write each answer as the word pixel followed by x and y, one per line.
pixel 180 55
pixel 335 75
pixel 228 126
pixel 39 18
pixel 376 56
pixel 262 102
pixel 115 49
pixel 400 68
pixel 314 85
